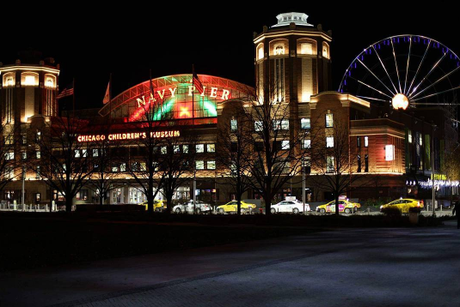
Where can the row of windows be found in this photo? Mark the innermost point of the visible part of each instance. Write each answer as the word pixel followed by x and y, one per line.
pixel 304 47
pixel 28 79
pixel 283 124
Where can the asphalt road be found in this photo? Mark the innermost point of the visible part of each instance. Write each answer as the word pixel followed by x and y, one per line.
pixel 348 267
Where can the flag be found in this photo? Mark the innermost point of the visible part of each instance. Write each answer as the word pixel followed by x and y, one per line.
pixel 197 83
pixel 68 91
pixel 107 93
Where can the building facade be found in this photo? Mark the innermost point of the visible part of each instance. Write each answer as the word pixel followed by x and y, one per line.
pixel 384 153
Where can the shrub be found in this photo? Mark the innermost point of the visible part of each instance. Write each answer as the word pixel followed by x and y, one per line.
pixel 391 211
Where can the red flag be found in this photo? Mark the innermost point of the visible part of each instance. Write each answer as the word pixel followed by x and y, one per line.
pixel 197 83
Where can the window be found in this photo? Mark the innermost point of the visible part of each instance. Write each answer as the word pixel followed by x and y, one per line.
pixel 285 145
pixel 329 141
pixel 366 141
pixel 9 155
pixel 366 163
pixel 409 136
pixel 359 163
pixel 306 144
pixel 37 174
pixel 330 164
pixel 164 150
pixel 258 125
pixel 38 154
pixel 84 153
pixel 199 148
pixel 123 167
pixel 199 164
pixel 114 169
pixel 24 139
pixel 29 79
pixel 95 153
pixel 329 120
pixel 176 148
pixel 279 49
pixel 24 155
pixel 389 152
pixel 8 79
pixel 305 123
pixel 38 136
pixel 306 48
pixel 358 141
pixel 211 164
pixel 233 125
pixel 281 124
pixel 185 148
pixel 82 195
pixel 77 153
pixel 211 148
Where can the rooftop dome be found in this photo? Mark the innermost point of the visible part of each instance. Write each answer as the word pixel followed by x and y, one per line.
pixel 300 19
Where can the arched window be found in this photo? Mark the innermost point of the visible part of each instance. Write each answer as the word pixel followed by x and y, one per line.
pixel 325 52
pixel 260 52
pixel 9 79
pixel 306 47
pixel 50 81
pixel 29 79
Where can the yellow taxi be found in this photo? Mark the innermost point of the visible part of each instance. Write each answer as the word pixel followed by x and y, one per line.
pixel 344 206
pixel 403 204
pixel 158 205
pixel 231 207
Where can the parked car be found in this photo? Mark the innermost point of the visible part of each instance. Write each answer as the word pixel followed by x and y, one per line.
pixel 231 207
pixel 188 207
pixel 344 206
pixel 403 204
pixel 290 206
pixel 158 205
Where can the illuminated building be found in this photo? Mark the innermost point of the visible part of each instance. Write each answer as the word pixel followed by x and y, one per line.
pixel 388 150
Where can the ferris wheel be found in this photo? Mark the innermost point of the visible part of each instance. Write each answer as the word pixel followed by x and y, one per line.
pixel 405 71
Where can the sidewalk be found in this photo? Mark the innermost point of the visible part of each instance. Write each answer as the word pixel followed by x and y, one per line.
pixel 363 266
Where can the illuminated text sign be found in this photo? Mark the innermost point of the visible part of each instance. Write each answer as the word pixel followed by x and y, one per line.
pixel 128 136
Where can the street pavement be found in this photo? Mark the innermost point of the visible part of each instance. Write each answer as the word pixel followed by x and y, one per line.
pixel 337 267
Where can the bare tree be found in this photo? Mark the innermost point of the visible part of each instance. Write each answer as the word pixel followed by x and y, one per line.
pixel 10 167
pixel 332 159
pixel 234 152
pixel 64 161
pixel 278 153
pixel 176 164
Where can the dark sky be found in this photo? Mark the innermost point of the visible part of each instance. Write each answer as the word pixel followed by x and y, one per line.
pixel 91 43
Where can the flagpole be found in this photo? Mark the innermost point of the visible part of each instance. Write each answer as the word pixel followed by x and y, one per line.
pixel 73 98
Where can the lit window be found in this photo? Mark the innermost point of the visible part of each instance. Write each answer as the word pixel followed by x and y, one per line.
pixel 114 169
pixel 409 136
pixel 329 120
pixel 329 141
pixel 261 52
pixel 84 153
pixel 50 81
pixel 29 79
pixel 9 155
pixel 199 148
pixel 24 155
pixel 211 164
pixel 306 144
pixel 37 175
pixel 389 152
pixel 164 150
pixel 233 125
pixel 285 145
pixel 420 139
pixel 77 153
pixel 210 147
pixel 305 123
pixel 95 153
pixel 258 125
pixel 279 50
pixel 306 48
pixel 366 141
pixel 281 124
pixel 123 167
pixel 38 154
pixel 199 164
pixel 325 51
pixel 176 148
pixel 8 80
pixel 185 148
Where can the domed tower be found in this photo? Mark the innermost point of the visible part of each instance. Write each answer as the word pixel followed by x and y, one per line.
pixel 28 90
pixel 292 60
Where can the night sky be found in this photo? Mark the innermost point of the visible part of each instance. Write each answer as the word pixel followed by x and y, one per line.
pixel 127 41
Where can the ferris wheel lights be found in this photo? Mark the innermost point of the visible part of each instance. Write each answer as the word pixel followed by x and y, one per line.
pixel 400 101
